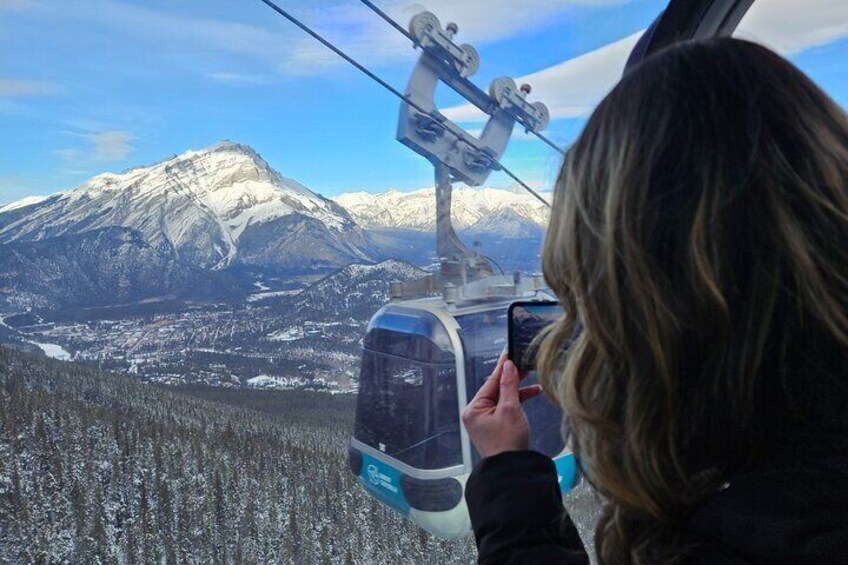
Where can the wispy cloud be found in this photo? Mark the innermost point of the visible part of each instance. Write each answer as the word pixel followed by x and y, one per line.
pixel 570 89
pixel 486 21
pixel 110 145
pixel 12 87
pixel 98 147
pixel 366 36
pixel 191 35
pixel 282 48
pixel 789 26
pixel 10 182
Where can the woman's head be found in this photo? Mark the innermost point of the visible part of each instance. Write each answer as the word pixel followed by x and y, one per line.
pixel 698 235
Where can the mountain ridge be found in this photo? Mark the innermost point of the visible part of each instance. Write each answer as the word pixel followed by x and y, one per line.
pixel 201 203
pixel 416 209
pixel 224 208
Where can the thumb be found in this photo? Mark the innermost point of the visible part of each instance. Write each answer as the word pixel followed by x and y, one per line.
pixel 509 386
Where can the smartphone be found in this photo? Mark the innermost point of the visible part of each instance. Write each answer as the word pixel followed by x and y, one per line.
pixel 526 320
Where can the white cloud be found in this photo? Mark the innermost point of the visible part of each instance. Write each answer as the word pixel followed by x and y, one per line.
pixel 9 183
pixel 283 48
pixel 485 21
pixel 183 35
pixel 70 154
pixel 11 87
pixel 110 145
pixel 572 88
pixel 100 147
pixel 364 35
pixel 789 26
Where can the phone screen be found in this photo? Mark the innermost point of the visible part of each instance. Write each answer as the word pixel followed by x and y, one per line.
pixel 526 320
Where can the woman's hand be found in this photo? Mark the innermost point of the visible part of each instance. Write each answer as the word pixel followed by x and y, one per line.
pixel 495 419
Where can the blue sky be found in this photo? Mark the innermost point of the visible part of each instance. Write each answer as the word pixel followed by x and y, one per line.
pixel 93 85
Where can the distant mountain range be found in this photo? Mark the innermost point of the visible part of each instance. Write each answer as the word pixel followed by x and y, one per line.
pixel 201 224
pixel 474 210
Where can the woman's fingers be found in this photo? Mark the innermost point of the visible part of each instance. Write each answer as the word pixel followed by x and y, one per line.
pixel 509 397
pixel 489 390
pixel 495 420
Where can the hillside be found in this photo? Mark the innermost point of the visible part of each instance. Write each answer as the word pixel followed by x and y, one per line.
pixel 353 292
pixel 62 271
pixel 98 468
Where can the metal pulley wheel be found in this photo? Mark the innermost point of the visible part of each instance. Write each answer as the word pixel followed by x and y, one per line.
pixel 421 23
pixel 470 61
pixel 500 88
pixel 544 115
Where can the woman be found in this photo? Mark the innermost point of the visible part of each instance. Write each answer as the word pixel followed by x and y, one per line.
pixel 699 237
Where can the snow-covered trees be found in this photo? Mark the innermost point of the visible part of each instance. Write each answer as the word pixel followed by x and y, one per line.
pixel 98 468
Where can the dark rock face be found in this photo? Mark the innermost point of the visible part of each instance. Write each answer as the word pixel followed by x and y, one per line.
pixel 297 244
pixel 105 266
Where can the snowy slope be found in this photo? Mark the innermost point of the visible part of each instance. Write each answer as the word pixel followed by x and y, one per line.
pixel 23 203
pixel 472 209
pixel 216 207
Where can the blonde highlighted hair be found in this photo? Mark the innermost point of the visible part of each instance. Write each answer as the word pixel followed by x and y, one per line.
pixel 699 245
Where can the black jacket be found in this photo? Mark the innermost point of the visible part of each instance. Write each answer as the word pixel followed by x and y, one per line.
pixel 517 513
pixel 794 511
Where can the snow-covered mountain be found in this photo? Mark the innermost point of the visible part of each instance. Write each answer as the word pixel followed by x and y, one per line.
pixel 23 203
pixel 219 207
pixel 485 210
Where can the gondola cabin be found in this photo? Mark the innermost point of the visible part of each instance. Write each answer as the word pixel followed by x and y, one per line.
pixel 422 362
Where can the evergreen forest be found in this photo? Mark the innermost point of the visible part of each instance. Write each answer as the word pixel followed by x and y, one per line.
pixel 97 468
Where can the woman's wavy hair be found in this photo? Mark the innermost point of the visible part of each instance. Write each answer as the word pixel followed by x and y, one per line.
pixel 699 245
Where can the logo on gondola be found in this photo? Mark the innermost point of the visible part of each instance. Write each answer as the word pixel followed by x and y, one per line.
pixel 373 475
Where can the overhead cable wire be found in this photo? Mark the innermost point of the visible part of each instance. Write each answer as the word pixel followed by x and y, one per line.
pixel 409 36
pixel 337 51
pixel 544 139
pixel 524 186
pixel 389 20
pixel 388 87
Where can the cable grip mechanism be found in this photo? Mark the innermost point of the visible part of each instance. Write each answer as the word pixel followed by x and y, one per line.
pixel 460 155
pixel 469 158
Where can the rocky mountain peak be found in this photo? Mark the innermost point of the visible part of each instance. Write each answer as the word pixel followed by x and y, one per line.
pixel 211 205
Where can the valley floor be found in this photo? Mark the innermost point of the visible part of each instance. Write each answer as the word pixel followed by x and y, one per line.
pixel 253 344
